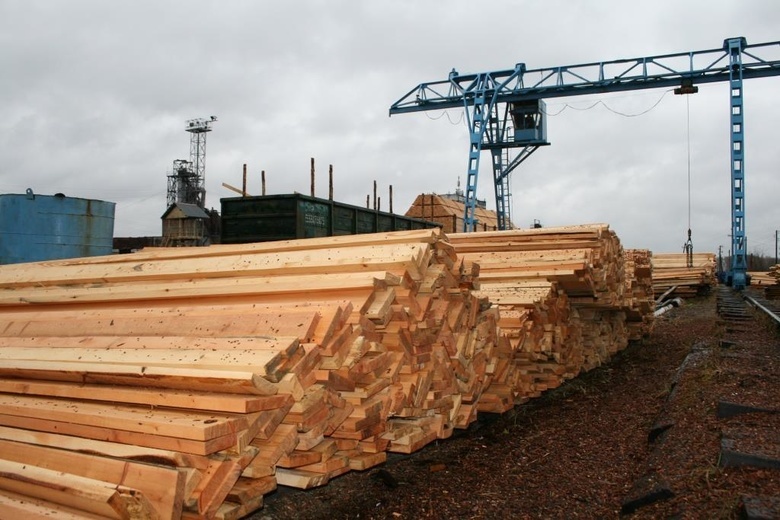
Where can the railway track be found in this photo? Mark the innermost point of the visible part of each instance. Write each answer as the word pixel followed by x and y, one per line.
pixel 742 307
pixel 747 409
pixel 770 308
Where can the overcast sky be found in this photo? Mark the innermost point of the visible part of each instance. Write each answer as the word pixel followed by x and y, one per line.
pixel 94 95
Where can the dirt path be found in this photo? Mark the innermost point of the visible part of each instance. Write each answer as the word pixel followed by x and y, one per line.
pixel 582 450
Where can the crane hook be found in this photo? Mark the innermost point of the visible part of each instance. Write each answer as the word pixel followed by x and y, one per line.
pixel 688 250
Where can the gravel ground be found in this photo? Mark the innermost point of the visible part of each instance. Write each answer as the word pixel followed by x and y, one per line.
pixel 644 428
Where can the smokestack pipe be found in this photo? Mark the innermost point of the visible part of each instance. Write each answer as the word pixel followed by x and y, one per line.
pixel 330 182
pixel 312 176
pixel 262 176
pixel 243 186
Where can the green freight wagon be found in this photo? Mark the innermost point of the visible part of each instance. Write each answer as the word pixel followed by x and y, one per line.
pixel 285 217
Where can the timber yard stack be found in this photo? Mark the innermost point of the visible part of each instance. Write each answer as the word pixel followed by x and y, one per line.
pixel 639 292
pixel 772 292
pixel 188 383
pixel 449 212
pixel 671 270
pixel 563 303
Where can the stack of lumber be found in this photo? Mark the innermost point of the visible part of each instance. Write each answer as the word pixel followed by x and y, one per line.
pixel 671 270
pixel 561 295
pixel 449 211
pixel 761 278
pixel 640 301
pixel 772 291
pixel 190 382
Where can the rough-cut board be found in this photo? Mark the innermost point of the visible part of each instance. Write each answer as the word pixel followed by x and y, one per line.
pixel 211 375
pixel 13 505
pixel 162 487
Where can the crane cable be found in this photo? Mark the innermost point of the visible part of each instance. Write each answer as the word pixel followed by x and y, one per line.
pixel 688 247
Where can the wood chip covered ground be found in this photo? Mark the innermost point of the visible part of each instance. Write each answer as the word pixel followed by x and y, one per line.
pixel 190 383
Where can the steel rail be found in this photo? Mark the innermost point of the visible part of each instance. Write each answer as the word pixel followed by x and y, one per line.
pixel 767 311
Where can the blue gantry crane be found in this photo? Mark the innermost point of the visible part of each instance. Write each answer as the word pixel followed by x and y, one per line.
pixel 505 112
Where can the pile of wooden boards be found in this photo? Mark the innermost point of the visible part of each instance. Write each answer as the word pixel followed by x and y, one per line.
pixel 671 270
pixel 639 294
pixel 772 290
pixel 449 212
pixel 189 383
pixel 564 303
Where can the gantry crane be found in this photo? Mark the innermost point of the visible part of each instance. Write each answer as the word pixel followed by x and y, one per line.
pixel 505 112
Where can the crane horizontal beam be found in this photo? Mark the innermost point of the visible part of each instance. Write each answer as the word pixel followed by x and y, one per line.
pixel 518 84
pixel 520 120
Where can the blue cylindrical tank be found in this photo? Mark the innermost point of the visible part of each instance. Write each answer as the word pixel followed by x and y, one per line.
pixel 47 227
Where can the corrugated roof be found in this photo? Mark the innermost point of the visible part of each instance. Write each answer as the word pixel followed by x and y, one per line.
pixel 188 210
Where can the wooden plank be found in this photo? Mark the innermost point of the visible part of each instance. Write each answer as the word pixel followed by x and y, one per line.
pixel 286 322
pixel 163 487
pixel 300 479
pixel 82 493
pixel 125 437
pixel 229 403
pixel 53 337
pixel 281 442
pixel 298 458
pixel 227 381
pixel 105 449
pixel 310 285
pixel 186 425
pixel 256 361
pixel 370 257
pixel 218 481
pixel 13 505
pixel 364 461
pixel 270 420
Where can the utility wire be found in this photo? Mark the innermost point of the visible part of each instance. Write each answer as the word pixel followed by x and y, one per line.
pixel 600 102
pixel 449 118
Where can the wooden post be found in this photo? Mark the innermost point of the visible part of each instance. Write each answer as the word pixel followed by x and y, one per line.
pixel 243 186
pixel 391 198
pixel 312 176
pixel 330 182
pixel 262 176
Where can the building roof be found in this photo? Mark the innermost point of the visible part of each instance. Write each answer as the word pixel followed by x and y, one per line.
pixel 183 210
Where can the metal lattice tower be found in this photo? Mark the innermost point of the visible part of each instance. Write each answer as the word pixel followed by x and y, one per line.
pixel 184 185
pixel 734 47
pixel 187 182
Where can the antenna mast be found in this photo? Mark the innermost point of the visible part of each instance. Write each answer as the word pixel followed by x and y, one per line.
pixel 187 183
